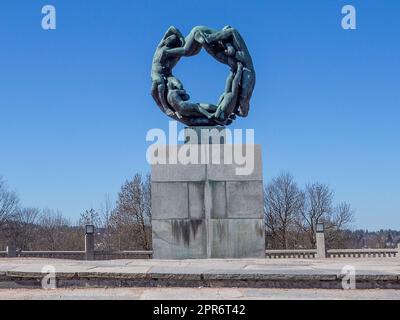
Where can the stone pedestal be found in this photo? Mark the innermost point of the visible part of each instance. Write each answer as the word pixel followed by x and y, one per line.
pixel 207 209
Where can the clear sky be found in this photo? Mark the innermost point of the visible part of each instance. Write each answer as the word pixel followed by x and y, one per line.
pixel 75 104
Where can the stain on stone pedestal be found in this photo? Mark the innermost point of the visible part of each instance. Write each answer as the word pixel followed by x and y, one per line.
pixel 184 230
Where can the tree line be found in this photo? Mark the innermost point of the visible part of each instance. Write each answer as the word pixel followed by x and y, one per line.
pixel 291 215
pixel 124 225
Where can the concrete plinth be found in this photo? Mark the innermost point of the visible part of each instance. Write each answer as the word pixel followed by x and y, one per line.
pixel 210 207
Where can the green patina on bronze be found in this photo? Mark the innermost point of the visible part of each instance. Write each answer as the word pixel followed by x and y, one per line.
pixel 226 46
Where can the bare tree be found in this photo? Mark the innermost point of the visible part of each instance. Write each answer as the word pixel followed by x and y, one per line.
pixel 317 209
pixel 53 229
pixel 147 199
pixel 106 212
pixel 8 204
pixel 90 216
pixel 337 224
pixel 132 214
pixel 25 228
pixel 283 203
pixel 344 215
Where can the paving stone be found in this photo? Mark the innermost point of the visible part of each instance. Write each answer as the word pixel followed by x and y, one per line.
pixel 283 273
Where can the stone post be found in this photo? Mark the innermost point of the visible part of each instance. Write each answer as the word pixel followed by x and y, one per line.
pixel 11 251
pixel 398 250
pixel 320 237
pixel 89 242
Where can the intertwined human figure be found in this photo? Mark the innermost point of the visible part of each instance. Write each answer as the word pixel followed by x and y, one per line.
pixel 226 46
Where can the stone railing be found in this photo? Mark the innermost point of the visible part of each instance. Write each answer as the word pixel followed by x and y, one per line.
pixel 91 253
pixel 74 255
pixel 333 253
pixel 291 254
pixel 321 253
pixel 104 255
pixel 269 254
pixel 79 255
pixel 362 253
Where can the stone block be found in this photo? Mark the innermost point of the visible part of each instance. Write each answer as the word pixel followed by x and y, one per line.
pixel 231 170
pixel 170 200
pixel 196 200
pixel 238 238
pixel 205 135
pixel 178 173
pixel 218 194
pixel 245 199
pixel 212 163
pixel 172 170
pixel 179 239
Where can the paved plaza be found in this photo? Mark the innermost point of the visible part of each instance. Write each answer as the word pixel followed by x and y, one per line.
pixel 197 294
pixel 378 273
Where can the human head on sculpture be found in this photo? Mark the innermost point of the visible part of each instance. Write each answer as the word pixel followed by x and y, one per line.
pixel 172 86
pixel 172 41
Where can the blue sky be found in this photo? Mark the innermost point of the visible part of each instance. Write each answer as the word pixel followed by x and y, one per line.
pixel 75 104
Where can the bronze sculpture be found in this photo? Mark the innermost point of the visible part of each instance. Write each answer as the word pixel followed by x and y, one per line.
pixel 226 46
